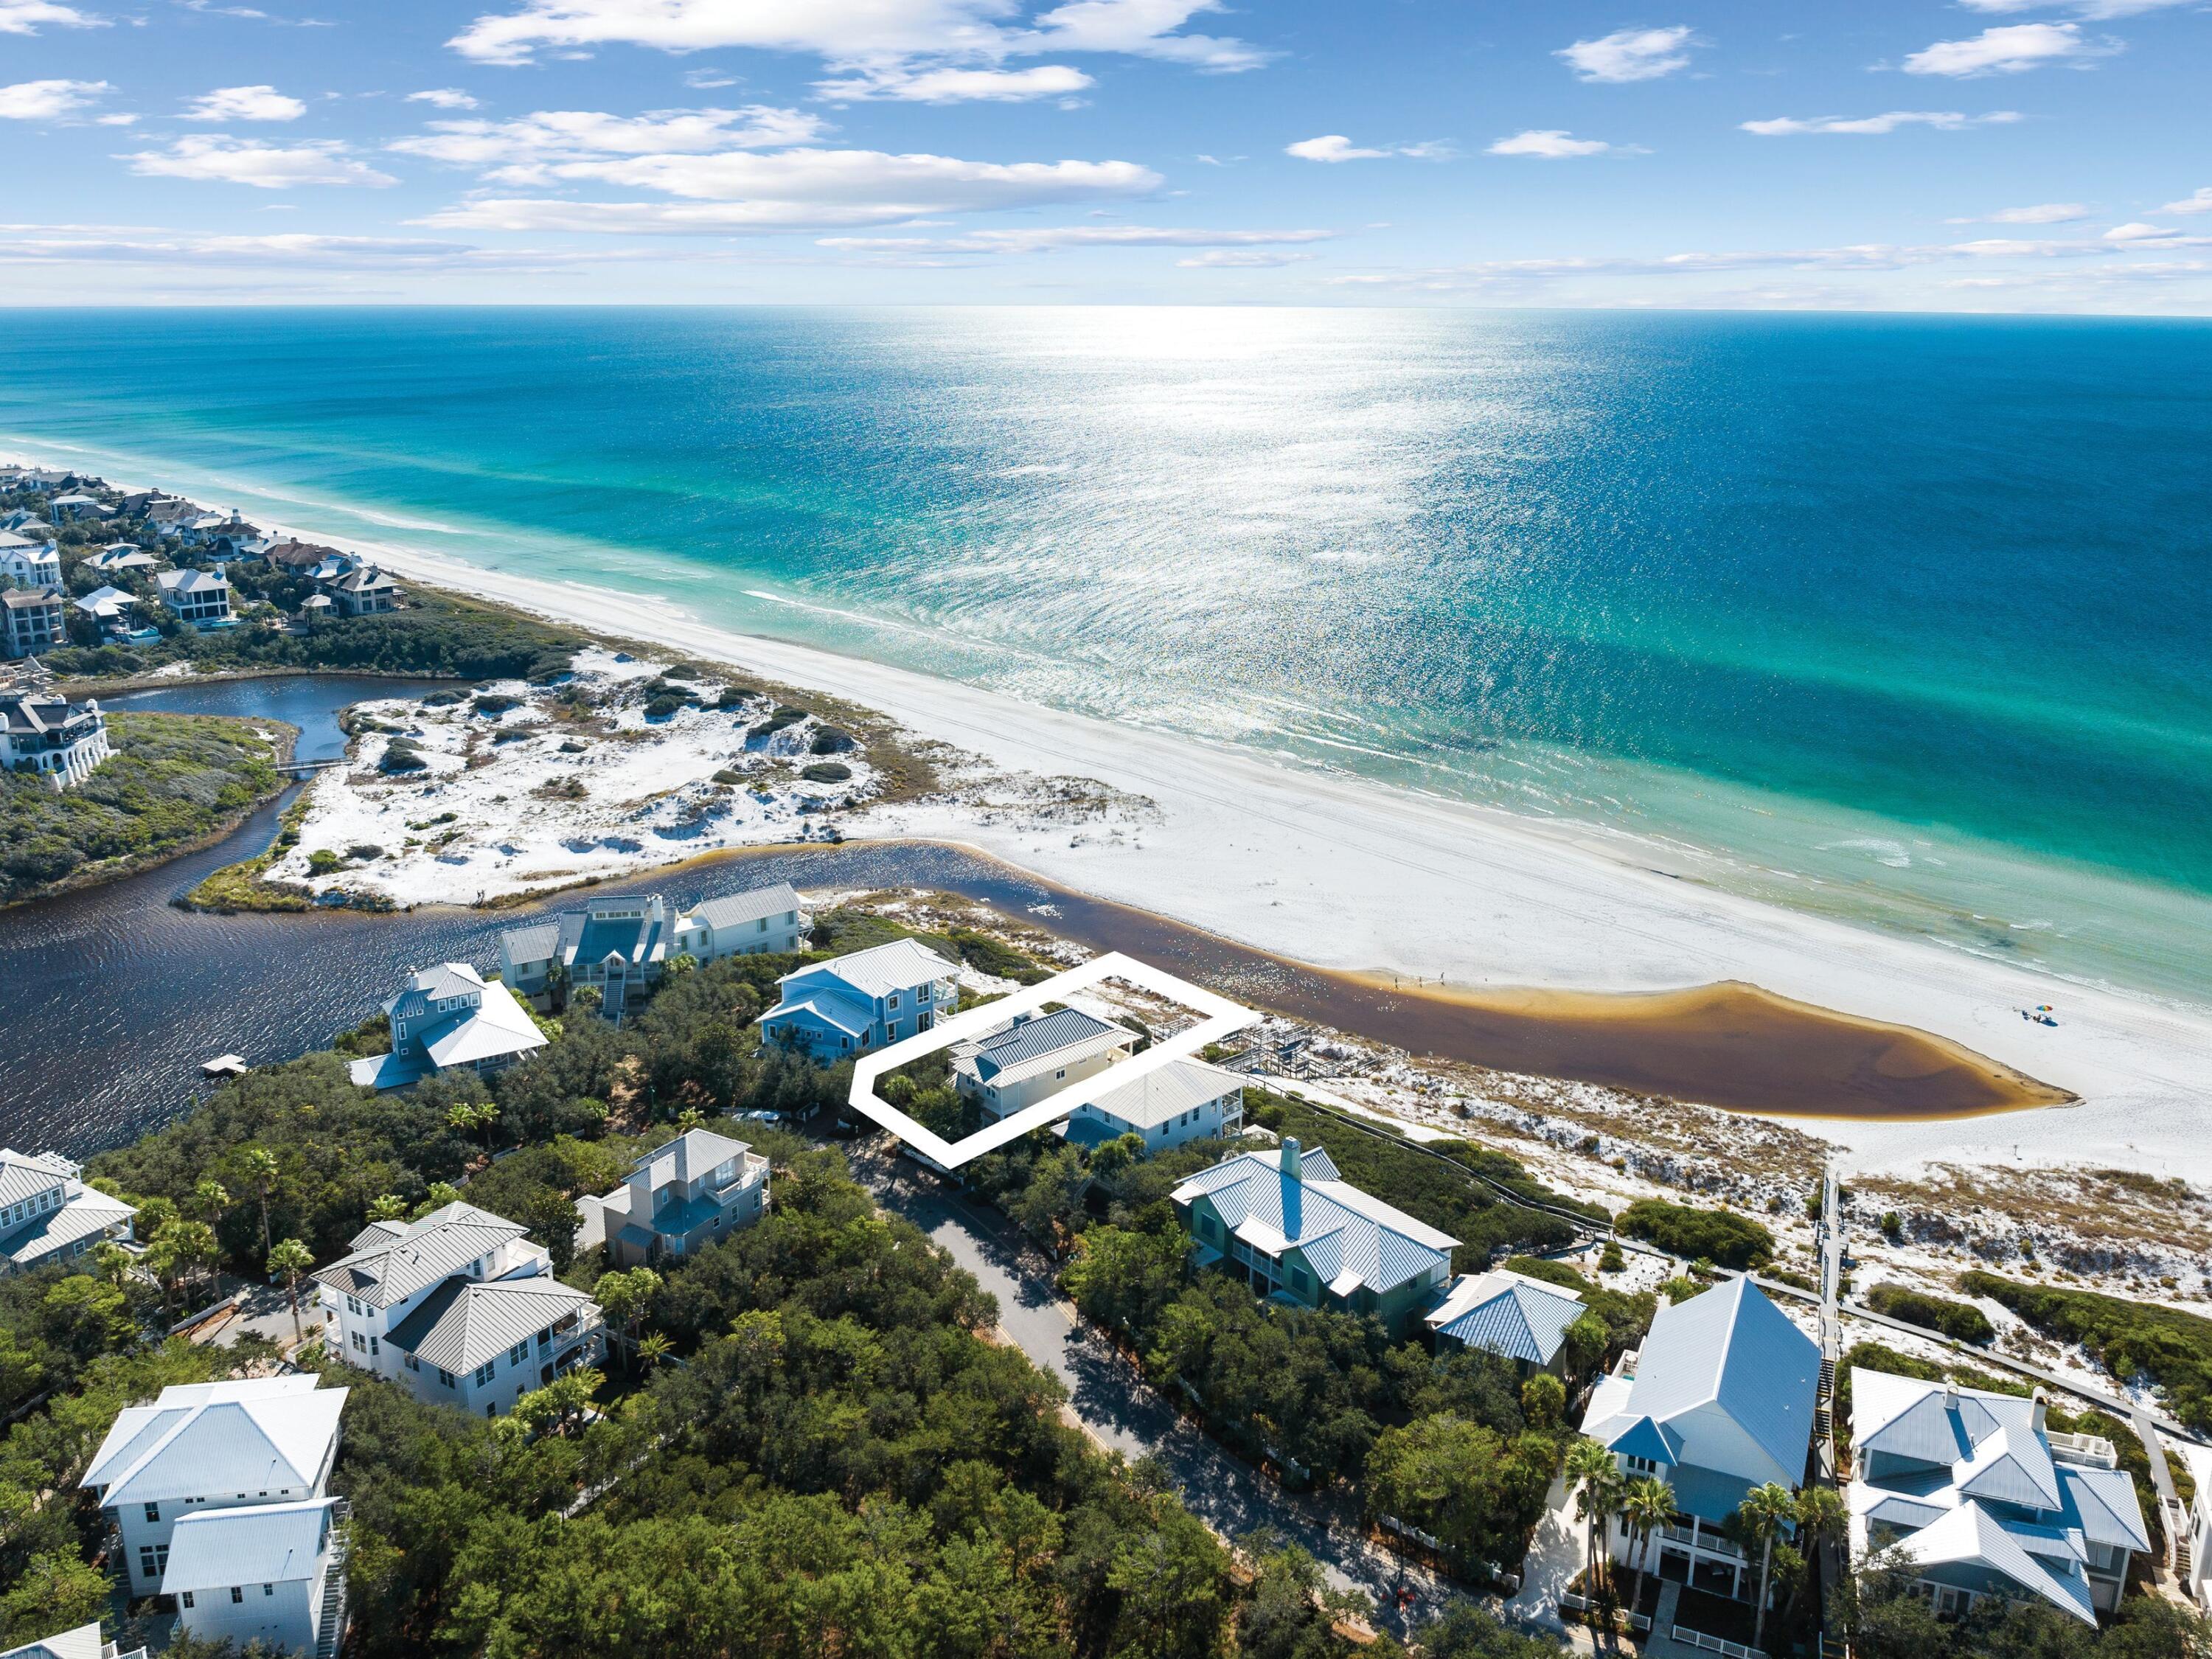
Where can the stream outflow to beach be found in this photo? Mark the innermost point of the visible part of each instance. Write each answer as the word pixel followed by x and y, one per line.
pixel 120 995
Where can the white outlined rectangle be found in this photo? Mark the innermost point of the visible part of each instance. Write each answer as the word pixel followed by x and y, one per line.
pixel 1221 1019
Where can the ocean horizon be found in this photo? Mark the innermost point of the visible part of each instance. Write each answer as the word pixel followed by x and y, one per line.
pixel 1898 619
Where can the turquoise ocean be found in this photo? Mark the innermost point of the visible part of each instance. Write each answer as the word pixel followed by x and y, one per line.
pixel 1906 620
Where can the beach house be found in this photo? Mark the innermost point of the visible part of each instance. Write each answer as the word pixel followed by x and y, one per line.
pixel 868 999
pixel 34 620
pixel 621 945
pixel 1977 1496
pixel 458 1308
pixel 201 598
pixel 1283 1221
pixel 272 1575
pixel 118 557
pixel 364 591
pixel 47 1214
pixel 85 1641
pixel 65 741
pixel 446 1018
pixel 26 561
pixel 1033 1055
pixel 201 1448
pixel 759 921
pixel 68 509
pixel 168 517
pixel 678 1198
pixel 1184 1100
pixel 1718 1400
pixel 114 612
pixel 1511 1315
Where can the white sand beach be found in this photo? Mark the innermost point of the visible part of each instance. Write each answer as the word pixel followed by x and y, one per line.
pixel 1346 873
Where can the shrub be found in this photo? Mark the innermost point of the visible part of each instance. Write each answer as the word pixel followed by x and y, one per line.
pixel 492 703
pixel 570 746
pixel 826 772
pixel 561 789
pixel 2173 1349
pixel 735 697
pixel 661 707
pixel 322 861
pixel 1683 1230
pixel 1961 1320
pixel 1610 1259
pixel 364 851
pixel 442 699
pixel 401 755
pixel 832 741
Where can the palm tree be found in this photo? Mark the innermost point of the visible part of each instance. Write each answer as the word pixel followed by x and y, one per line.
pixel 1762 1515
pixel 464 1119
pixel 651 1349
pixel 1647 1503
pixel 290 1259
pixel 262 1169
pixel 212 1198
pixel 1821 1518
pixel 1595 1479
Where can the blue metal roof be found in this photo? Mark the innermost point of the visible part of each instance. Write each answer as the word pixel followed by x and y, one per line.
pixel 1350 1239
pixel 1520 1319
pixel 1026 1039
pixel 1732 1347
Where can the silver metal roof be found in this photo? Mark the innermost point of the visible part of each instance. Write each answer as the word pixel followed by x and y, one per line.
pixel 252 1544
pixel 1158 1096
pixel 735 909
pixel 440 1244
pixel 462 1324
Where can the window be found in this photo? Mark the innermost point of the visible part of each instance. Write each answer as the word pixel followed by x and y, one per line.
pixel 269 1590
pixel 353 1304
pixel 152 1511
pixel 445 1376
pixel 361 1341
pixel 1641 1465
pixel 520 1353
pixel 237 1592
pixel 892 1002
pixel 413 1364
pixel 372 1344
pixel 188 1598
pixel 1299 1282
pixel 153 1560
pixel 484 1373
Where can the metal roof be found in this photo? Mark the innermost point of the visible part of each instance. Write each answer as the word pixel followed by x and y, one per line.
pixel 735 909
pixel 499 1026
pixel 23 1175
pixel 440 1244
pixel 85 1641
pixel 539 942
pixel 86 1211
pixel 1023 1040
pixel 1731 1347
pixel 462 1323
pixel 1349 1238
pixel 694 1153
pixel 252 1544
pixel 1507 1313
pixel 877 971
pixel 1971 1536
pixel 262 1434
pixel 1173 1090
pixel 833 1008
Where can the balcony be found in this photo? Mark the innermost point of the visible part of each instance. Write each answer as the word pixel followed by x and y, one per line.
pixel 2084 1451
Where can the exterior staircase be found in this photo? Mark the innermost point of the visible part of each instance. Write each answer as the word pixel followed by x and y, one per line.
pixel 331 1631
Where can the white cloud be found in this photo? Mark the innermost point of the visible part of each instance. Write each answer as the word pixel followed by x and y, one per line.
pixel 1335 146
pixel 24 16
pixel 1228 259
pixel 1630 54
pixel 48 100
pixel 218 157
pixel 707 80
pixel 734 192
pixel 245 103
pixel 116 120
pixel 1044 241
pixel 1548 144
pixel 97 245
pixel 1332 147
pixel 530 145
pixel 443 98
pixel 2101 10
pixel 2008 49
pixel 851 33
pixel 2201 202
pixel 2130 237
pixel 1890 121
pixel 899 83
pixel 2042 213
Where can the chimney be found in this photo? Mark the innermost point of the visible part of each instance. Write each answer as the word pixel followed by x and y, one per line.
pixel 2042 1406
pixel 1289 1163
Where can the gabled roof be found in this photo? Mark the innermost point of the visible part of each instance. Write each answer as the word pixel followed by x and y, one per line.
pixel 23 1175
pixel 501 1026
pixel 1158 1096
pixel 539 942
pixel 1644 1437
pixel 1507 1313
pixel 251 1544
pixel 735 909
pixel 464 1323
pixel 252 1435
pixel 2104 1505
pixel 440 1244
pixel 879 970
pixel 193 581
pixel 2010 1467
pixel 1732 1348
pixel 1971 1536
pixel 833 1008
pixel 85 1641
pixel 1010 1049
pixel 445 981
pixel 1350 1239
pixel 86 1212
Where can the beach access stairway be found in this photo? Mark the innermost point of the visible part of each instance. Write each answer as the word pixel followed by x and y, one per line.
pixel 331 1631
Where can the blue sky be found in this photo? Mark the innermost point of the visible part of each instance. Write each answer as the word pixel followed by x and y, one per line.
pixel 1951 154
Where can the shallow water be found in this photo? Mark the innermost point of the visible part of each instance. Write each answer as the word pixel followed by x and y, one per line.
pixel 1895 619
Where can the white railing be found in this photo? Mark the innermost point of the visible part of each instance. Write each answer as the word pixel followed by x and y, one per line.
pixel 2092 1450
pixel 1698 1638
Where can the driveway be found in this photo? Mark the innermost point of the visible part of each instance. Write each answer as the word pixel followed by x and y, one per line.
pixel 1122 1412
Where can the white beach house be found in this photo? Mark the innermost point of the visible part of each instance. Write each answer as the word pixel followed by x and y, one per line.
pixel 621 944
pixel 1511 1315
pixel 448 1018
pixel 204 1447
pixel 85 1641
pixel 1718 1400
pixel 273 1574
pixel 47 1214
pixel 1184 1100
pixel 33 621
pixel 27 561
pixel 458 1308
pixel 678 1198
pixel 1033 1055
pixel 868 999
pixel 1979 1496
pixel 201 598
pixel 66 742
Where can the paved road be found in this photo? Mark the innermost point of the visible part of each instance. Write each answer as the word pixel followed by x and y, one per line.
pixel 1122 1412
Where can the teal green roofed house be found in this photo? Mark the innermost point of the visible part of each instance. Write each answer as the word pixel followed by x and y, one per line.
pixel 1283 1221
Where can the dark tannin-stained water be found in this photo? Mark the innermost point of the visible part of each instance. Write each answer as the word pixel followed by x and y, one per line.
pixel 118 996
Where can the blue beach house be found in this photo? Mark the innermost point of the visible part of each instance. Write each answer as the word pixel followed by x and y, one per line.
pixel 853 1004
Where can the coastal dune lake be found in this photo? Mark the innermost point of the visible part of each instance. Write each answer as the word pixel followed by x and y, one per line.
pixel 1899 620
pixel 120 995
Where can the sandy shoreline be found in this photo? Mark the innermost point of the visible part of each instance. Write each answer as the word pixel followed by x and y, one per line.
pixel 1352 875
pixel 1360 876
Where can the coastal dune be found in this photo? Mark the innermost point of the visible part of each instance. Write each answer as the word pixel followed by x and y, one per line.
pixel 1360 878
